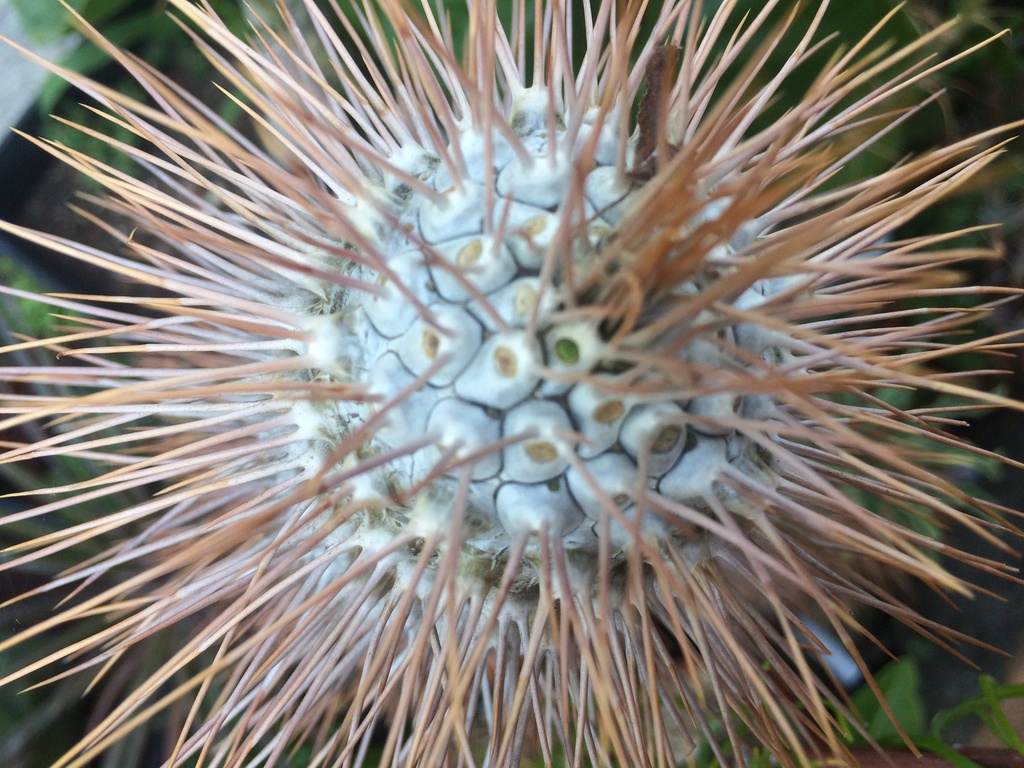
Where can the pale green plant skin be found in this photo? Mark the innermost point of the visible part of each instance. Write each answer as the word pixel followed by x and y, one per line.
pixel 521 407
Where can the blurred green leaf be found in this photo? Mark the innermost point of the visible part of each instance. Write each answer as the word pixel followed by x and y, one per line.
pixel 899 682
pixel 87 58
pixel 988 708
pixel 48 20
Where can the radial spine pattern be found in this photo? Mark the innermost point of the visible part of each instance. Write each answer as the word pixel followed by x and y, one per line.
pixel 512 397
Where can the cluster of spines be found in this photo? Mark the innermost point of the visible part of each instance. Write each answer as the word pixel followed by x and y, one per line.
pixel 313 619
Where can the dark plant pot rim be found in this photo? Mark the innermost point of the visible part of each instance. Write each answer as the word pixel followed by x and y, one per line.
pixel 24 168
pixel 22 165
